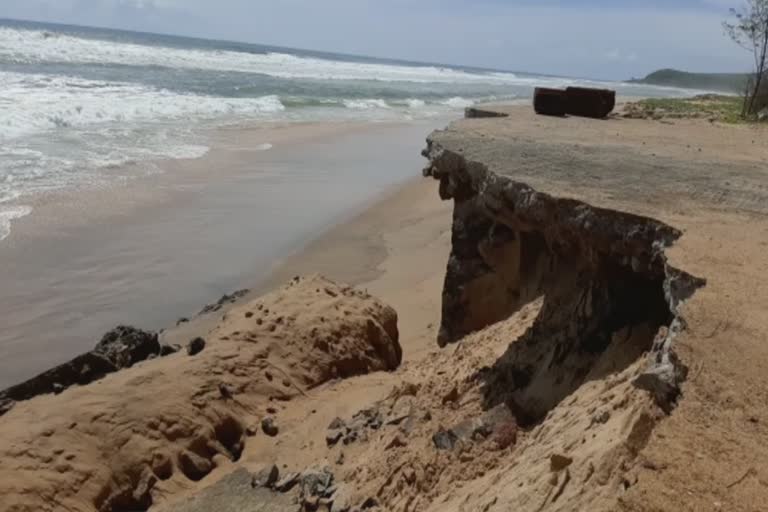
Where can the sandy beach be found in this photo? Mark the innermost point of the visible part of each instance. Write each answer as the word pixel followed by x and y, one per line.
pixel 606 444
pixel 156 247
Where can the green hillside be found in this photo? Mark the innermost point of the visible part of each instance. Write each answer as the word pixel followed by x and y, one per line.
pixel 724 82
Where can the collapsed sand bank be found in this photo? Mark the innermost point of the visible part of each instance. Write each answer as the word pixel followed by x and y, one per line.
pixel 431 436
pixel 118 444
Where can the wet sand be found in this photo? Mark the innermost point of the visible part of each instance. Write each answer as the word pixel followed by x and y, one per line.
pixel 156 248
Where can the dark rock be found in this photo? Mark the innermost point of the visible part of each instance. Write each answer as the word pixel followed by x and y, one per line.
pixel 287 483
pixel 195 346
pixel 444 440
pixel 81 370
pixel 224 300
pixel 336 424
pixel 477 113
pixel 269 427
pixel 125 346
pixel 166 350
pixel 194 466
pixel 267 477
pixel 476 429
pixel 316 482
pixel 452 396
pixel 549 102
pixel 333 437
pixel 182 320
pixel 225 391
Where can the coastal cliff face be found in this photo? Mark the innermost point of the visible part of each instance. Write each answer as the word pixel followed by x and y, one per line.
pixel 603 275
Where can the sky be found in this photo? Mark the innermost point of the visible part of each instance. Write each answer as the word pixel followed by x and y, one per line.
pixel 608 39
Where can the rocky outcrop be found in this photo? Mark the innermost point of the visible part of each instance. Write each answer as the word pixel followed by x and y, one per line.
pixel 120 348
pixel 603 274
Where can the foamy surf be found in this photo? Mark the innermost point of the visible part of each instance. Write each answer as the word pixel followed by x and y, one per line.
pixel 7 215
pixel 38 46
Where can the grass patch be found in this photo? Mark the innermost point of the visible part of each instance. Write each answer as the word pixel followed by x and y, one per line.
pixel 713 107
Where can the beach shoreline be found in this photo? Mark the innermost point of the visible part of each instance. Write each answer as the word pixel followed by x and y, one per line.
pixel 157 246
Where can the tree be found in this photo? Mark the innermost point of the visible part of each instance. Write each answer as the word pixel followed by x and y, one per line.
pixel 749 30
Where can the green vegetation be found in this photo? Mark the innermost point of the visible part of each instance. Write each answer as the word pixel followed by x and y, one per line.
pixel 713 107
pixel 723 82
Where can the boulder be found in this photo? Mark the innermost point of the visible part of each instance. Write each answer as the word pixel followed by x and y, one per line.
pixel 267 477
pixel 269 427
pixel 125 346
pixel 195 346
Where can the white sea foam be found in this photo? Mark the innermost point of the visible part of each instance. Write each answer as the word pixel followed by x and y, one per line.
pixel 35 46
pixel 458 102
pixel 365 104
pixel 34 102
pixel 7 215
pixel 415 103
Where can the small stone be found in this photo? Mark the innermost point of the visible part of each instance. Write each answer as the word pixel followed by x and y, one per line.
pixel 452 396
pixel 269 427
pixel 559 462
pixel 333 438
pixel 287 483
pixel 195 346
pixel 271 410
pixel 57 388
pixel 340 459
pixel 166 350
pixel 267 477
pixel 225 391
pixel 182 320
pixel 251 430
pixel 336 424
pixel 248 314
pixel 444 440
pixel 316 482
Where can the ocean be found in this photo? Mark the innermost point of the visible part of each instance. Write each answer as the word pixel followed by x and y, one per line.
pixel 80 106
